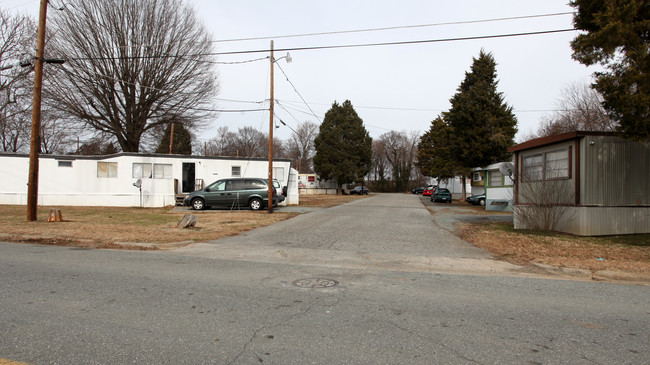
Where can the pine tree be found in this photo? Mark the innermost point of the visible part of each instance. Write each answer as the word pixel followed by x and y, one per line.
pixel 343 146
pixel 617 36
pixel 182 140
pixel 483 126
pixel 435 158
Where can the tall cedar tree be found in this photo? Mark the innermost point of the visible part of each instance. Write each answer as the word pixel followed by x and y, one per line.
pixel 343 146
pixel 434 157
pixel 182 140
pixel 617 37
pixel 483 126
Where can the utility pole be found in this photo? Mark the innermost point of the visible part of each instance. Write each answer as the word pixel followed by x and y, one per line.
pixel 171 139
pixel 270 193
pixel 32 184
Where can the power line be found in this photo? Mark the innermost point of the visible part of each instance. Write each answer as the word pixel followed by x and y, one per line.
pixel 400 43
pixel 312 48
pixel 377 107
pixel 238 62
pixel 194 108
pixel 241 101
pixel 391 28
pixel 296 90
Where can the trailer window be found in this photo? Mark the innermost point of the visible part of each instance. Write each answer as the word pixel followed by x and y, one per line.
pixel 107 169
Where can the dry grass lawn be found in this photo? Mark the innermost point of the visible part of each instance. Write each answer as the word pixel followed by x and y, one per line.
pixel 630 253
pixel 106 227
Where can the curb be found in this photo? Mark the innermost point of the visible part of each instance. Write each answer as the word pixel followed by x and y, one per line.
pixel 601 275
pixel 153 245
pixel 621 276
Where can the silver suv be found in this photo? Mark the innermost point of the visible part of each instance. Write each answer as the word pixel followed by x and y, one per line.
pixel 230 193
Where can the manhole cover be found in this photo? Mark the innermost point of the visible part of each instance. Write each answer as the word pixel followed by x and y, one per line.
pixel 315 283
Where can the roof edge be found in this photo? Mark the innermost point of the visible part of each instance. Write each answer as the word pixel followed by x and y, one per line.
pixel 567 136
pixel 136 154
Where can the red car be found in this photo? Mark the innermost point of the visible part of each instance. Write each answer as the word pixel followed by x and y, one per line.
pixel 428 191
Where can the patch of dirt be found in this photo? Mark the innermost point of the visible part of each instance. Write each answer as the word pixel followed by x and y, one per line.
pixel 558 250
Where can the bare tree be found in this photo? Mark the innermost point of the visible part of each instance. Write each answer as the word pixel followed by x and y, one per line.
pixel 56 135
pixel 400 151
pixel 279 147
pixel 17 36
pixel 222 144
pixel 580 108
pixel 132 65
pixel 379 171
pixel 249 142
pixel 300 146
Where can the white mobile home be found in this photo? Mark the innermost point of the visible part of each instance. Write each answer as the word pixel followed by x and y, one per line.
pixel 311 184
pixel 455 186
pixel 496 184
pixel 110 180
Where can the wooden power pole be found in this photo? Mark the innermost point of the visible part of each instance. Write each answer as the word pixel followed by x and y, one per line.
pixel 32 184
pixel 171 139
pixel 270 194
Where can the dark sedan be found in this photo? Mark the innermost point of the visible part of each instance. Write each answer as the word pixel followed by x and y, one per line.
pixel 358 190
pixel 476 199
pixel 441 195
pixel 418 190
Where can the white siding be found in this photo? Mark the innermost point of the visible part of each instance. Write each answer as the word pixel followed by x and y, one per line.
pixel 79 184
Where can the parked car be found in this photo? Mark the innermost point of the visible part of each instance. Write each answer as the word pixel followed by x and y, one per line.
pixel 230 193
pixel 418 190
pixel 359 190
pixel 282 192
pixel 476 199
pixel 428 191
pixel 441 195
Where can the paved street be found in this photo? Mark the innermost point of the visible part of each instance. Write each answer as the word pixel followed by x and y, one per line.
pixel 206 304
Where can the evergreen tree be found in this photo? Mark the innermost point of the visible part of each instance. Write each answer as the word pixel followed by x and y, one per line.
pixel 434 157
pixel 617 37
pixel 483 126
pixel 182 140
pixel 343 146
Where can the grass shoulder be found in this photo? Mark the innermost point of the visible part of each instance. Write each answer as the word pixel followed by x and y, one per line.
pixel 629 253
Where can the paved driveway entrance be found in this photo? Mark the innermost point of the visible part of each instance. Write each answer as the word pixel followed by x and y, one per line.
pixel 386 231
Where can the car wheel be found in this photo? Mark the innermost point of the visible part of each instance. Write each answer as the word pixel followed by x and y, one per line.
pixel 481 202
pixel 198 204
pixel 255 204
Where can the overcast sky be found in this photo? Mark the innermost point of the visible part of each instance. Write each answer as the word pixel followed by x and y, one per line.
pixel 395 87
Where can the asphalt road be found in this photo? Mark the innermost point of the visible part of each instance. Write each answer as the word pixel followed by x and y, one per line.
pixel 76 306
pixel 386 231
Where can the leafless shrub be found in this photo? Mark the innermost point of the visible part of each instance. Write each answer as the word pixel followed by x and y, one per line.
pixel 544 205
